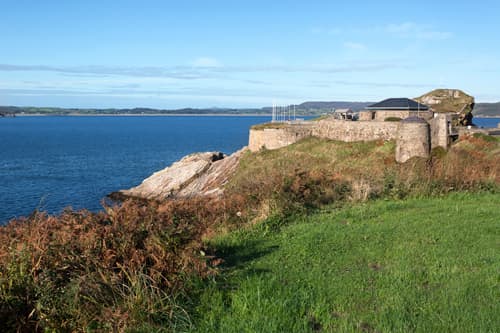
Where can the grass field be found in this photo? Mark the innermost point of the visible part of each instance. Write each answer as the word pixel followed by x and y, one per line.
pixel 419 265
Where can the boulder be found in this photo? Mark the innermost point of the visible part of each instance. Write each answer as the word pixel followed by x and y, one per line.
pixel 199 174
pixel 450 101
pixel 212 181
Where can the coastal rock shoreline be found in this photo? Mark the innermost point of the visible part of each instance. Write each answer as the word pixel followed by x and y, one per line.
pixel 195 175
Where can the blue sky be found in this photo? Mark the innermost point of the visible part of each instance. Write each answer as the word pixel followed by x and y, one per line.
pixel 172 54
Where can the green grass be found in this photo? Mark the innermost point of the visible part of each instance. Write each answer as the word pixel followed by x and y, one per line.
pixel 322 117
pixel 420 265
pixel 270 126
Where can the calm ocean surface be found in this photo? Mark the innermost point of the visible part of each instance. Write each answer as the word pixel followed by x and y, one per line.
pixel 49 163
pixel 486 122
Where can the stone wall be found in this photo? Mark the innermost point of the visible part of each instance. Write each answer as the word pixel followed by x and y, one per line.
pixel 351 131
pixel 384 114
pixel 348 131
pixel 381 115
pixel 366 115
pixel 274 138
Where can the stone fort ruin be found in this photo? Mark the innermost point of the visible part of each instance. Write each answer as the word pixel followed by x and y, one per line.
pixel 416 128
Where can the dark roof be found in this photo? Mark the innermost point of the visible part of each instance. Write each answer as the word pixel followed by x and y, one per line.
pixel 398 104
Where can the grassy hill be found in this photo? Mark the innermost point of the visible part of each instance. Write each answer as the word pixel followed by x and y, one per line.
pixel 323 106
pixel 130 111
pixel 420 265
pixel 487 110
pixel 307 108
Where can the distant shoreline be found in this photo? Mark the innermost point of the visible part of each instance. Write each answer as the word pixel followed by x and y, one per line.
pixel 172 115
pixel 145 115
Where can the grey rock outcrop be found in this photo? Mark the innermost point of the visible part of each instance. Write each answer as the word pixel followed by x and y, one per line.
pixel 199 174
pixel 450 101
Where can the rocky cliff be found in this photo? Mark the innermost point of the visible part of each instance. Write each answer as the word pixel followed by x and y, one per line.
pixel 200 174
pixel 450 100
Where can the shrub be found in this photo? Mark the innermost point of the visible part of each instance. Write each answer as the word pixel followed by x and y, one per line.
pixel 314 172
pixel 438 152
pixel 485 137
pixel 392 119
pixel 109 271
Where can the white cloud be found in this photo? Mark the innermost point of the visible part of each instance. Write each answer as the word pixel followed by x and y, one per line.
pixel 401 28
pixel 326 31
pixel 334 31
pixel 417 31
pixel 332 83
pixel 201 70
pixel 408 30
pixel 354 46
pixel 434 35
pixel 206 62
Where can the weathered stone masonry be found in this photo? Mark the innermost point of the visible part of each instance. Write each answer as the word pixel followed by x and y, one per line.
pixel 412 138
pixel 351 131
pixel 274 138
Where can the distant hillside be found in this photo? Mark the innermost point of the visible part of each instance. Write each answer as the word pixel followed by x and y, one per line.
pixel 131 111
pixel 306 108
pixel 487 110
pixel 355 106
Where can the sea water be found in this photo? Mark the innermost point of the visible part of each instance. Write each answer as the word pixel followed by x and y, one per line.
pixel 486 122
pixel 49 163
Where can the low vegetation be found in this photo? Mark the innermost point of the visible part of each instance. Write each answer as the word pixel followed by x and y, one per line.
pixel 322 117
pixel 420 265
pixel 142 266
pixel 396 119
pixel 450 100
pixel 121 269
pixel 270 126
pixel 315 172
